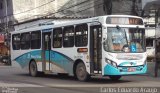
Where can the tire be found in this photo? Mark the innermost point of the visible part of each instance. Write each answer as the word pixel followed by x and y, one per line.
pixel 33 69
pixel 81 72
pixel 115 78
pixel 62 75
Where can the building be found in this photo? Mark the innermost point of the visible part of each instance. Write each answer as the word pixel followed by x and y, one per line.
pixel 32 9
pixel 151 8
pixel 6 9
pixel 17 11
pixel 130 7
pixel 23 10
pixel 6 21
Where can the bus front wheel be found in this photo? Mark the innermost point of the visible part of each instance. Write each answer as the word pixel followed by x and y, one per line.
pixel 81 72
pixel 33 69
pixel 115 78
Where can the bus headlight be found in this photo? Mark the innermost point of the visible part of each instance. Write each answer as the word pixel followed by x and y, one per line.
pixel 111 62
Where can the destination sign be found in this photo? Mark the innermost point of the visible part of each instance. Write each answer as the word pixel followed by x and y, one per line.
pixel 124 20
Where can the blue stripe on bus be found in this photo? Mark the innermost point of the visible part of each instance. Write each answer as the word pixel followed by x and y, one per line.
pixel 110 70
pixel 56 58
pixel 24 59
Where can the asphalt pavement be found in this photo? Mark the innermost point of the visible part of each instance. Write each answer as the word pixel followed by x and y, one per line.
pixel 20 81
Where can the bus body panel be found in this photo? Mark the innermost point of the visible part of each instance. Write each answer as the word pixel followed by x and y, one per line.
pixel 60 63
pixel 110 70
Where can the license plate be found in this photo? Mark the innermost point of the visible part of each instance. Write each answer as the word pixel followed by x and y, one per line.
pixel 131 69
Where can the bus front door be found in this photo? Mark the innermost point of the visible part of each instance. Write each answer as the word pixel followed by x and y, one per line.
pixel 96 49
pixel 46 47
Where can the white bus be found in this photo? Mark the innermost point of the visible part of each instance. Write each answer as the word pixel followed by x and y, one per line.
pixel 112 45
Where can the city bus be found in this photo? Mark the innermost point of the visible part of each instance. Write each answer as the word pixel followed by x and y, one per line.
pixel 111 45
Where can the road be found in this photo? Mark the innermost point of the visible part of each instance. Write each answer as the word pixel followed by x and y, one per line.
pixel 16 79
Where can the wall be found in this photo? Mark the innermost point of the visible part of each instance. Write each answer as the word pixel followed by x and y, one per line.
pixel 59 8
pixel 7 9
pixel 119 7
pixel 30 9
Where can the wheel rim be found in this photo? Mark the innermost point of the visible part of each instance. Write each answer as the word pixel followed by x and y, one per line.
pixel 81 72
pixel 33 69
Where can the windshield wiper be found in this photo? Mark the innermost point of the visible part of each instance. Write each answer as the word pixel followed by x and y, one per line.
pixel 120 29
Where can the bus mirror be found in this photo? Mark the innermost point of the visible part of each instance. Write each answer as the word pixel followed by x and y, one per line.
pixel 46 38
pixel 105 36
pixel 118 27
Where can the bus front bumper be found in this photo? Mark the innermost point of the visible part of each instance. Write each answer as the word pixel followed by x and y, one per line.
pixel 110 70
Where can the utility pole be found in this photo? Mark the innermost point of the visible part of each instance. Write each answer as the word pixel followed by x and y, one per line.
pixel 6 11
pixel 134 12
pixel 157 46
pixel 6 29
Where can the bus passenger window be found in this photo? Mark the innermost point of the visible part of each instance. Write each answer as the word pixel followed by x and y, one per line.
pixel 25 40
pixel 36 40
pixel 57 38
pixel 68 36
pixel 81 37
pixel 16 42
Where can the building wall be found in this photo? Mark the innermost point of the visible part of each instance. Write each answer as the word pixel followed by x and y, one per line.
pixel 77 8
pixel 23 10
pixel 119 7
pixel 58 8
pixel 29 9
pixel 6 8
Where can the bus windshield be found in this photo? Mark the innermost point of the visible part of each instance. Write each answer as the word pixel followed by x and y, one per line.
pixel 122 40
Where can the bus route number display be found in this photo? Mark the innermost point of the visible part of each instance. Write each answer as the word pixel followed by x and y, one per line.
pixel 124 20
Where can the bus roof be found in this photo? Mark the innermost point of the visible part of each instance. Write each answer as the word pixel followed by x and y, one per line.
pixel 72 22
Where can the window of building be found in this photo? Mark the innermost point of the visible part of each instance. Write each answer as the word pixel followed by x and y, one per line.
pixel 57 38
pixel 25 40
pixel 149 42
pixel 1 5
pixel 8 3
pixel 81 37
pixel 68 36
pixel 16 41
pixel 36 40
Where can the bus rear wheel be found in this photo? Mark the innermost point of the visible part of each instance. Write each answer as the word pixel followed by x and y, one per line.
pixel 115 78
pixel 33 69
pixel 81 72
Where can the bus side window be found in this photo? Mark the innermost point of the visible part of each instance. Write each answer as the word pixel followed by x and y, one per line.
pixel 35 40
pixel 25 40
pixel 81 35
pixel 16 41
pixel 68 36
pixel 57 38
